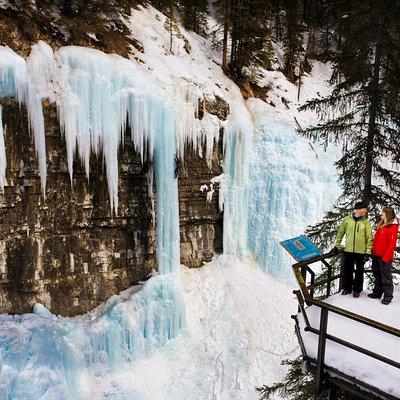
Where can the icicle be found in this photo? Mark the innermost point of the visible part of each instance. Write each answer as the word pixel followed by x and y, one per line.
pixel 42 70
pixel 97 97
pixel 101 93
pixel 15 82
pixel 3 160
pixel 36 125
pixel 13 75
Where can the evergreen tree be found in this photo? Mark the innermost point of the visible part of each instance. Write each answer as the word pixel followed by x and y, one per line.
pixel 363 112
pixel 161 5
pixel 293 41
pixel 194 15
pixel 250 36
pixel 223 8
pixel 298 385
pixel 246 24
pixel 171 23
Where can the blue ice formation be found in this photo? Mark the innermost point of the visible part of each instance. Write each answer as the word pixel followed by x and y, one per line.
pixel 98 97
pixel 16 82
pixel 3 159
pixel 238 136
pixel 290 188
pixel 47 357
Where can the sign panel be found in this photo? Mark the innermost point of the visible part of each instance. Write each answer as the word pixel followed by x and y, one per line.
pixel 301 248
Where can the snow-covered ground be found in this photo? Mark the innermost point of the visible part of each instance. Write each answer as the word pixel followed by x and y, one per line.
pixel 237 332
pixel 358 365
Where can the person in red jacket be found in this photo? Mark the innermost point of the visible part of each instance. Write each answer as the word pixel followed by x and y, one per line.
pixel 383 248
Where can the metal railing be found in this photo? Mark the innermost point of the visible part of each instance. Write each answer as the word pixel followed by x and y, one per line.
pixel 305 297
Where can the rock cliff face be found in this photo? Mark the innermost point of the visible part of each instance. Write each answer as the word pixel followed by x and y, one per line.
pixel 66 250
pixel 200 220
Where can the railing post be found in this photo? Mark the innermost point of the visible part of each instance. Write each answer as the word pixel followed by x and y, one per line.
pixel 328 285
pixel 333 392
pixel 312 280
pixel 303 270
pixel 323 325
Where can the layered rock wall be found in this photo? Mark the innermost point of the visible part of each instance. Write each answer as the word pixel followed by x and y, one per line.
pixel 67 250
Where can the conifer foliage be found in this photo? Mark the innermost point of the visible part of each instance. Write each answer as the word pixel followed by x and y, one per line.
pixel 194 15
pixel 362 114
pixel 299 384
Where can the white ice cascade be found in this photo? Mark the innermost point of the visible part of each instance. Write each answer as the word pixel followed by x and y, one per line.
pixel 190 131
pixel 16 82
pixel 292 184
pixel 238 136
pixel 97 96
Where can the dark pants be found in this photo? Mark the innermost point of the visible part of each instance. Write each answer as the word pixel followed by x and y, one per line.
pixel 383 280
pixel 353 281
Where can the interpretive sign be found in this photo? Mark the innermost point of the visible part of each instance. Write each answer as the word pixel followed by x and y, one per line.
pixel 301 248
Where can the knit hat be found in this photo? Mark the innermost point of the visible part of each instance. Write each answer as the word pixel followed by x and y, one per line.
pixel 360 204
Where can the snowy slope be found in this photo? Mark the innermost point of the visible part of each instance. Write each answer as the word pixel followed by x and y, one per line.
pixel 237 334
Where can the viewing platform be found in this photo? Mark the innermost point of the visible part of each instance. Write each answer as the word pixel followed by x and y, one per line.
pixel 349 343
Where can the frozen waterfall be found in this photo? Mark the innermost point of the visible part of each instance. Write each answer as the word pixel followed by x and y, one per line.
pixel 97 96
pixel 290 188
pixel 237 145
pixel 274 185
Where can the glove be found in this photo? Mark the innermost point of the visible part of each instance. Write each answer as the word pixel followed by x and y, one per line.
pixel 334 250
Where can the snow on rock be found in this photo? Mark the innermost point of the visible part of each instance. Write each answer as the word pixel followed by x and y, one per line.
pixel 352 363
pixel 191 74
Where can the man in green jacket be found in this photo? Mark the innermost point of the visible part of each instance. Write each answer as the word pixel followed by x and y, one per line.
pixel 357 229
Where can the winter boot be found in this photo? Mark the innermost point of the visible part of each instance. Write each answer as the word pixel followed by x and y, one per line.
pixel 374 295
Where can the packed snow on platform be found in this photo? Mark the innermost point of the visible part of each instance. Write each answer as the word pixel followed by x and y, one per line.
pixel 352 363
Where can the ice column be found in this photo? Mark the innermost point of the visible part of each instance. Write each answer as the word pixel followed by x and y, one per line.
pixel 167 215
pixel 237 143
pixel 3 160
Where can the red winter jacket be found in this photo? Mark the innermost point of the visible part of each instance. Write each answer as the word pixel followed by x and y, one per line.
pixel 385 242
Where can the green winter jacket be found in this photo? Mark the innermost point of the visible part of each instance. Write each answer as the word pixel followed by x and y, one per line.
pixel 358 235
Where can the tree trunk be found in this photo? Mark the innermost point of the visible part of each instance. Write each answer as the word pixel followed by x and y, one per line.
pixel 373 109
pixel 225 41
pixel 278 25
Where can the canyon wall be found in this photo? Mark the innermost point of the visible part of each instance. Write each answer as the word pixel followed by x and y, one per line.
pixel 67 250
